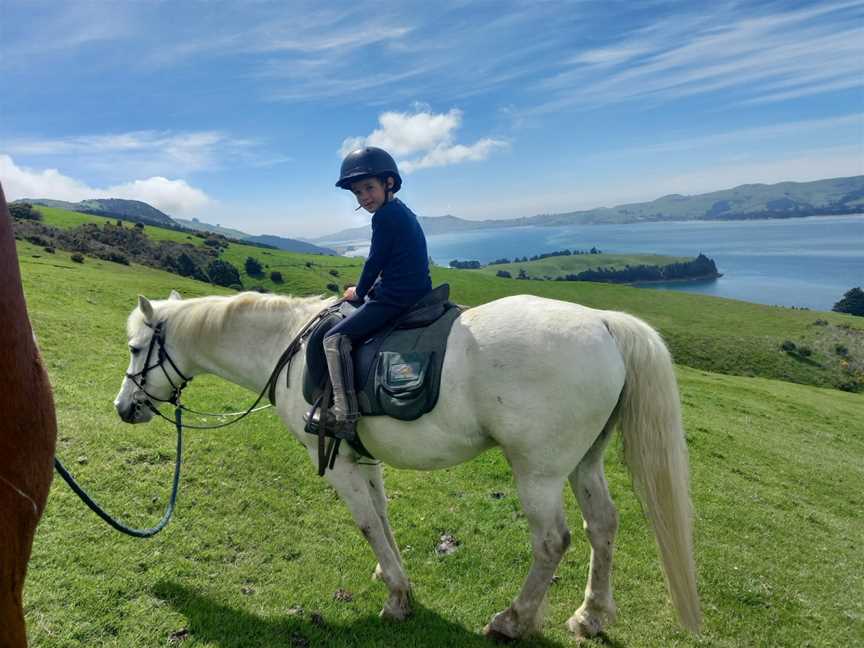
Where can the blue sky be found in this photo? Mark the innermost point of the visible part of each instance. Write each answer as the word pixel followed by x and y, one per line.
pixel 238 112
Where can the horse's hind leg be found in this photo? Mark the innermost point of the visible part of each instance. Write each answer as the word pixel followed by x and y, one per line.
pixel 542 501
pixel 589 485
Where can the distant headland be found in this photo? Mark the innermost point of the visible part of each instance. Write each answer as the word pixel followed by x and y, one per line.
pixel 833 196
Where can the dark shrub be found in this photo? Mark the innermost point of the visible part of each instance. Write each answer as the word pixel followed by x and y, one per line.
pixel 24 211
pixel 140 226
pixel 38 240
pixel 309 264
pixel 260 289
pixel 504 273
pixel 333 287
pixel 253 267
pixel 223 273
pixel 236 286
pixel 852 302
pixel 334 273
pixel 276 277
pixel 841 350
pixel 114 257
pixel 788 346
pixel 77 257
pixel 851 386
pixel 820 322
pixel 805 352
pixel 49 249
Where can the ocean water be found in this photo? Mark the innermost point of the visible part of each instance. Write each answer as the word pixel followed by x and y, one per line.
pixel 802 262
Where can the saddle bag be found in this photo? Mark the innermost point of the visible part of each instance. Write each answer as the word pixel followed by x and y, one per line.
pixel 401 383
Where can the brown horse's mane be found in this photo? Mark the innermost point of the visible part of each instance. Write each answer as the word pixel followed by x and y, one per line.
pixel 28 432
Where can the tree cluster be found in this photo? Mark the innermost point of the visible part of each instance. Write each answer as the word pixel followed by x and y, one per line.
pixel 544 255
pixel 465 265
pixel 852 302
pixel 701 266
pixel 24 211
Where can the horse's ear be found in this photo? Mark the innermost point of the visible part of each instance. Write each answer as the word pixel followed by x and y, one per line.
pixel 175 295
pixel 146 308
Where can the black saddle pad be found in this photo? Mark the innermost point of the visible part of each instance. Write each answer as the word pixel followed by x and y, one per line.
pixel 397 371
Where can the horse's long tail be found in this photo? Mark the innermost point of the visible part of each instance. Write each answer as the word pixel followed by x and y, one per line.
pixel 656 455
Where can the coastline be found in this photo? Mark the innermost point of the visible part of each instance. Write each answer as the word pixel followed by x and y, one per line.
pixel 709 277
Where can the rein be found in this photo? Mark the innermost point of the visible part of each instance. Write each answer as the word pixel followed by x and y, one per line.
pixel 140 378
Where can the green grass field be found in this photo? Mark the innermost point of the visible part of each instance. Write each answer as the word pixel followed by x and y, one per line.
pixel 259 545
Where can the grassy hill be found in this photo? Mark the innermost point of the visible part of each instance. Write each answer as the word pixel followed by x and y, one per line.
pixel 131 210
pixel 560 266
pixel 259 543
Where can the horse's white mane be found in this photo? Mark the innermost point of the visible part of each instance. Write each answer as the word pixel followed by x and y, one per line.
pixel 204 316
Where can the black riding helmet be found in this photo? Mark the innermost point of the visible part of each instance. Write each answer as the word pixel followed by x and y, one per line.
pixel 367 162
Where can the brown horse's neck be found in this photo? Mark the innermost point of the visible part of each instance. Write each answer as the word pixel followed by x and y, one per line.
pixel 27 435
pixel 25 394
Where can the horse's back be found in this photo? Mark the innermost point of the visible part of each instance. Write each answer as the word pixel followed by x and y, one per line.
pixel 521 362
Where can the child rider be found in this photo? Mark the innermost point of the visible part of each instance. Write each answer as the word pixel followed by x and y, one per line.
pixel 397 265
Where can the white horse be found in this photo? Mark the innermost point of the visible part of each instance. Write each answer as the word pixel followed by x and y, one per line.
pixel 544 380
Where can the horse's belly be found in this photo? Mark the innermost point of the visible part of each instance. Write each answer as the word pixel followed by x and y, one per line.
pixel 429 443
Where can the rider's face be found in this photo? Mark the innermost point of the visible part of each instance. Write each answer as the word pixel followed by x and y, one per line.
pixel 370 193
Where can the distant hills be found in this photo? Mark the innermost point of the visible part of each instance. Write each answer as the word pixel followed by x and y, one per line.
pixel 114 207
pixel 280 242
pixel 745 202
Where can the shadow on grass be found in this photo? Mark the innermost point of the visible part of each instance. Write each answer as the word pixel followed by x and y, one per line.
pixel 226 627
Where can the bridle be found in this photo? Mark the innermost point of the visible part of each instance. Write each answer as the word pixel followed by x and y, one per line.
pixel 139 379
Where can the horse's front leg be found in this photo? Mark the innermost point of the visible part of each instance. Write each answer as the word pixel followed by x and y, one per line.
pixel 379 499
pixel 354 487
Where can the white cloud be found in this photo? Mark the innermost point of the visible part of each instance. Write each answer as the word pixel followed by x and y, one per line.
pixel 426 133
pixel 171 196
pixel 443 155
pixel 817 48
pixel 147 152
pixel 174 197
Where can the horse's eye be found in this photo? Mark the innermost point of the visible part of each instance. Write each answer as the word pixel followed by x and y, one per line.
pixel 134 350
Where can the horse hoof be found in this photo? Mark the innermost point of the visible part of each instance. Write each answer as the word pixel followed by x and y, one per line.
pixel 584 627
pixel 505 627
pixel 396 610
pixel 497 636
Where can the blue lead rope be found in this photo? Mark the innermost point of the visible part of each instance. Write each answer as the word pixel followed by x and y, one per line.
pixel 122 528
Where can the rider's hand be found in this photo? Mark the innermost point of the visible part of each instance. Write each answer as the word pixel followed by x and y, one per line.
pixel 350 293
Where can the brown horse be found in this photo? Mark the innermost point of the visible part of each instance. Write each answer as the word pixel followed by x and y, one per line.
pixel 28 432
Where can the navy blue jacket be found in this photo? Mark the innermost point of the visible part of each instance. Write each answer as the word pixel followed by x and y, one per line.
pixel 398 254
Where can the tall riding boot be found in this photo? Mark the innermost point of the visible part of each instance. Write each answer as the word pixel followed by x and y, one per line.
pixel 337 350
